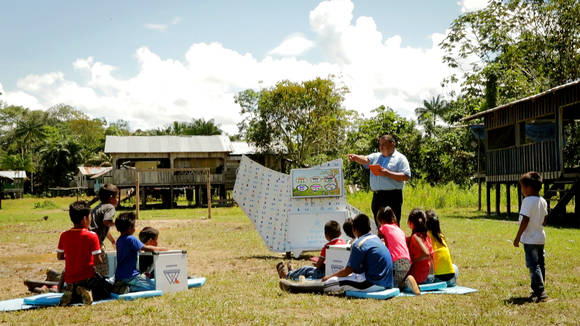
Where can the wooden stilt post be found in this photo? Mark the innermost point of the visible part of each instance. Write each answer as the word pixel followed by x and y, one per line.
pixel 488 199
pixel 137 194
pixel 208 194
pixel 479 193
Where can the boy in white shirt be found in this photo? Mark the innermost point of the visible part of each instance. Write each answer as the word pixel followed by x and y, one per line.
pixel 531 232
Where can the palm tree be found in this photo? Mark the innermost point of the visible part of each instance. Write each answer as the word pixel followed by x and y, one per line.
pixel 431 110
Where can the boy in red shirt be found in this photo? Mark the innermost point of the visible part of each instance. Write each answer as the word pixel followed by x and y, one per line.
pixel 80 249
pixel 332 235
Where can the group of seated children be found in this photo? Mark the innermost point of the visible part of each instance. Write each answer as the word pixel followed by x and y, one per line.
pixel 423 257
pixel 80 248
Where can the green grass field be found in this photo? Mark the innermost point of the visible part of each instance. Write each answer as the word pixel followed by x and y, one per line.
pixel 242 285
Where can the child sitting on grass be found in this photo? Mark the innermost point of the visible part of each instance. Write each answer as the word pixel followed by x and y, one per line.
pixel 395 241
pixel 443 269
pixel 332 235
pixel 148 236
pixel 419 245
pixel 127 276
pixel 79 248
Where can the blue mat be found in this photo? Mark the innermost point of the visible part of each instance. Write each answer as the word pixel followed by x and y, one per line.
pixel 195 282
pixel 379 295
pixel 53 299
pixel 137 295
pixel 451 290
pixel 14 305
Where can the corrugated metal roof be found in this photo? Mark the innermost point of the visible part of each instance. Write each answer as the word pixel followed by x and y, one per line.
pixel 551 90
pixel 13 174
pixel 92 170
pixel 242 148
pixel 167 144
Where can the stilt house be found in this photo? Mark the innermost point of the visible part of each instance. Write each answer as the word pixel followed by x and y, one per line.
pixel 537 133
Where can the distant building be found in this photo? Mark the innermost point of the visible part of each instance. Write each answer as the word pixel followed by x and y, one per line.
pixel 12 183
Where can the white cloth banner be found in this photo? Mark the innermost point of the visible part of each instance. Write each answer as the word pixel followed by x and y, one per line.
pixel 286 224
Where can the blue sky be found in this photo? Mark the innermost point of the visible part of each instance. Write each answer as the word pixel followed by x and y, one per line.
pixel 178 60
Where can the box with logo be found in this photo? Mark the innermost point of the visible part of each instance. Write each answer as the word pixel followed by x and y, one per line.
pixel 336 258
pixel 170 268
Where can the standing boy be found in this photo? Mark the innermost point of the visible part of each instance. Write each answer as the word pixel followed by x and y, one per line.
pixel 79 248
pixel 127 276
pixel 531 232
pixel 102 221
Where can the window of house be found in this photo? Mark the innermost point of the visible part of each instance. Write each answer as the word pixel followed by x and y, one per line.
pixel 503 137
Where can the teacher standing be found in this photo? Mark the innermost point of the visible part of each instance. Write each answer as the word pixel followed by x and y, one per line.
pixel 387 185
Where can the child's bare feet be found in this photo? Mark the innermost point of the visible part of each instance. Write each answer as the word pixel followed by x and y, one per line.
pixel 281 270
pixel 412 285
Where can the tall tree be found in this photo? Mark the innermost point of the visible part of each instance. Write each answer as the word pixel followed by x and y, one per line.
pixel 304 121
pixel 428 114
pixel 529 45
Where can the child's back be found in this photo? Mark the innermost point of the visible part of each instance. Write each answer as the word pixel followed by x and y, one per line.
pixel 443 267
pixel 395 240
pixel 420 247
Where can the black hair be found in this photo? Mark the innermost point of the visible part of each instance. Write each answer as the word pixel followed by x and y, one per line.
pixel 148 233
pixel 79 210
pixel 386 215
pixel 362 224
pixel 417 217
pixel 433 226
pixel 388 138
pixel 347 227
pixel 125 221
pixel 107 191
pixel 332 229
pixel 533 179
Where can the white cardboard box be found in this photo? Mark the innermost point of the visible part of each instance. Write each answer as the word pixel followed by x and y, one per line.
pixel 336 258
pixel 170 269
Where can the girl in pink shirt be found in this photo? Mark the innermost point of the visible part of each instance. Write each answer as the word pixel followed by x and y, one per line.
pixel 420 247
pixel 395 240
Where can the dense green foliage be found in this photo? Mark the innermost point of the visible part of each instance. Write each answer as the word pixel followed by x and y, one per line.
pixel 304 121
pixel 523 46
pixel 50 144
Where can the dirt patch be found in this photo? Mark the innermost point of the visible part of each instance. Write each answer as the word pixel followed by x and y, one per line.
pixel 166 224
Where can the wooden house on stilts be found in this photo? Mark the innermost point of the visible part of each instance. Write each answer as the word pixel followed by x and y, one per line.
pixel 537 133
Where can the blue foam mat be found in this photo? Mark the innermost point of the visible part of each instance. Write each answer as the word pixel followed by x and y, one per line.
pixel 380 295
pixel 14 305
pixel 53 299
pixel 448 290
pixel 195 282
pixel 137 295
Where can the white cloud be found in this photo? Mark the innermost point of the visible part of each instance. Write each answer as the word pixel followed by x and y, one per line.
pixel 378 71
pixel 472 5
pixel 156 27
pixel 175 20
pixel 292 46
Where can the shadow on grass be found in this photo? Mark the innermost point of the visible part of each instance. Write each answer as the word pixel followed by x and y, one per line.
pixel 569 220
pixel 517 301
pixel 262 257
pixel 281 256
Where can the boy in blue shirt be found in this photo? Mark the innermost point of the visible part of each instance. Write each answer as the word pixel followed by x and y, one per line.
pixel 127 276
